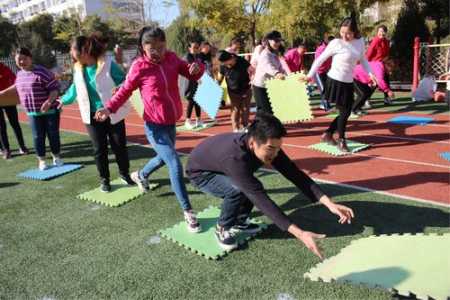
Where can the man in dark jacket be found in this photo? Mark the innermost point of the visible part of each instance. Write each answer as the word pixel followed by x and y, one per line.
pixel 223 166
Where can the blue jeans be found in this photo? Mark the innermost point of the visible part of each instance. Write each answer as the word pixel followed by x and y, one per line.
pixel 162 139
pixel 42 126
pixel 235 204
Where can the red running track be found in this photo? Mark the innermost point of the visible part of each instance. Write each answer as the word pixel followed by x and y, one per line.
pixel 403 160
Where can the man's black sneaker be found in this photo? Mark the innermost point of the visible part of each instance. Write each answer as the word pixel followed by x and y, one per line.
pixel 105 187
pixel 245 226
pixel 127 179
pixel 225 239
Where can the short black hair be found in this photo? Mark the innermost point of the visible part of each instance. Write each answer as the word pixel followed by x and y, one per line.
pixel 236 40
pixel 273 35
pixel 299 42
pixel 23 51
pixel 266 126
pixel 224 56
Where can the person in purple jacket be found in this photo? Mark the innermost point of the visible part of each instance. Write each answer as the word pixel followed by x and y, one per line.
pixel 38 90
pixel 224 165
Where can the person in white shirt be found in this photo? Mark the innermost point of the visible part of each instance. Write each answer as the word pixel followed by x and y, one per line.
pixel 346 52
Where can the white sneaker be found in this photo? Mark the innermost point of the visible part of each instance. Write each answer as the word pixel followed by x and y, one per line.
pixel 192 223
pixel 199 124
pixel 57 161
pixel 188 124
pixel 367 105
pixel 42 165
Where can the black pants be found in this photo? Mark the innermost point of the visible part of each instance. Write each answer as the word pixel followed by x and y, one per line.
pixel 340 122
pixel 100 133
pixel 11 113
pixel 388 82
pixel 235 204
pixel 262 100
pixel 363 93
pixel 192 105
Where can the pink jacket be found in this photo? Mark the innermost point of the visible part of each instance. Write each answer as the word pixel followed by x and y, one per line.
pixel 294 60
pixel 327 64
pixel 158 84
pixel 379 72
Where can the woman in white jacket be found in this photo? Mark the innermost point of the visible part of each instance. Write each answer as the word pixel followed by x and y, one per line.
pixel 95 78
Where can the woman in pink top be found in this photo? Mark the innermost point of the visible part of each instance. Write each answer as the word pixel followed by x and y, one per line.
pixel 155 73
pixel 294 57
pixel 321 75
pixel 363 84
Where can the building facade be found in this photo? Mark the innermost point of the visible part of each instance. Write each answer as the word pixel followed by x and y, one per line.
pixel 23 10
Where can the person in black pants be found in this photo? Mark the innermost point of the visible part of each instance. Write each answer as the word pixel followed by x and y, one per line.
pixel 192 56
pixel 89 71
pixel 102 132
pixel 11 113
pixel 363 93
pixel 224 165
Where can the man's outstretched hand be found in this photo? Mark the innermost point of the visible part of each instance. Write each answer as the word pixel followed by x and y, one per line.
pixel 308 238
pixel 344 213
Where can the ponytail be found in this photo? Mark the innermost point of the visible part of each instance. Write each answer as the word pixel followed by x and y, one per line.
pixel 96 46
pixel 351 23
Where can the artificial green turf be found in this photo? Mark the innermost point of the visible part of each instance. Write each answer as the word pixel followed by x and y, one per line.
pixel 56 246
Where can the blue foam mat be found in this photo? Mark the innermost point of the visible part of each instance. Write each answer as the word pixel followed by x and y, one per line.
pixel 410 120
pixel 209 95
pixel 445 155
pixel 51 172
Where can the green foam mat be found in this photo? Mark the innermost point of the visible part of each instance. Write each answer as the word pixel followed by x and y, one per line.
pixel 333 150
pixel 205 126
pixel 289 100
pixel 120 193
pixel 406 264
pixel 204 243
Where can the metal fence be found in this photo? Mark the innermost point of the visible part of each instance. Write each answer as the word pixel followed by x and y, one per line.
pixel 434 59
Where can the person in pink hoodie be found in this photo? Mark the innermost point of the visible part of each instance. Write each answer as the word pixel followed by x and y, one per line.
pixel 155 73
pixel 363 84
pixel 321 75
pixel 295 57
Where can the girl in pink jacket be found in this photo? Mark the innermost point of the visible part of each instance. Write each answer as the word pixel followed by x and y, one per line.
pixel 155 72
pixel 363 85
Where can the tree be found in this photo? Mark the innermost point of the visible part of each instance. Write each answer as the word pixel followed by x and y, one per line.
pixel 410 23
pixel 8 36
pixel 65 28
pixel 179 35
pixel 223 18
pixel 38 36
pixel 129 14
pixel 438 11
